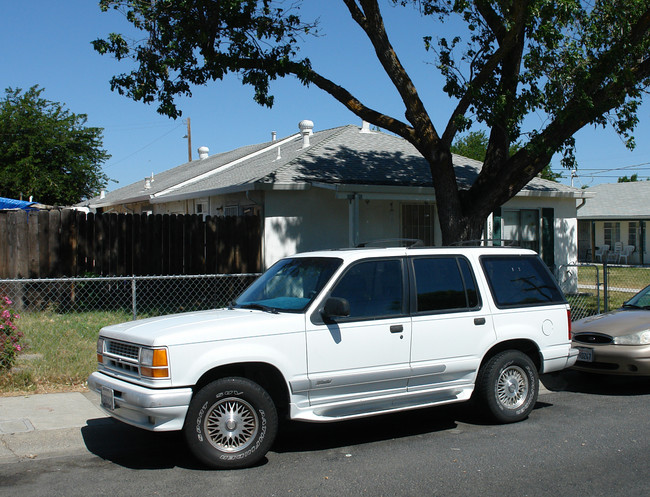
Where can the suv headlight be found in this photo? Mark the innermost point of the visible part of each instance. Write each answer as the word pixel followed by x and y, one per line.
pixel 640 338
pixel 154 363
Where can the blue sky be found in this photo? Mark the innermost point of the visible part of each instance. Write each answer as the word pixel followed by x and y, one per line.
pixel 47 43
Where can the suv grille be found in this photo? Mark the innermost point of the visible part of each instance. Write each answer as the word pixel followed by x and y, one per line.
pixel 592 338
pixel 123 349
pixel 122 357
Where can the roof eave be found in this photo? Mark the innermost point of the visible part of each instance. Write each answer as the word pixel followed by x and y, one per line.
pixel 246 187
pixel 111 203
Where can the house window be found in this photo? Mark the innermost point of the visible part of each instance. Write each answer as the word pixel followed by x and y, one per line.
pixel 418 221
pixel 522 227
pixel 231 210
pixel 612 233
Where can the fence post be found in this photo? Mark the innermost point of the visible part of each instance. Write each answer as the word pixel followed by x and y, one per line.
pixel 605 284
pixel 134 304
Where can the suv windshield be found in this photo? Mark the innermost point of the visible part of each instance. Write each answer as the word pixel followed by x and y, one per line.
pixel 289 285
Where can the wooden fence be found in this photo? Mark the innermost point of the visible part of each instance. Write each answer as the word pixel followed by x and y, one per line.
pixel 56 243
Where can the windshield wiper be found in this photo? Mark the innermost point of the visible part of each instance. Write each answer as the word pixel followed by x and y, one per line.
pixel 260 307
pixel 631 306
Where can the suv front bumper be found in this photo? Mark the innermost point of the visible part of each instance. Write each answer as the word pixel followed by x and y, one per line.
pixel 148 408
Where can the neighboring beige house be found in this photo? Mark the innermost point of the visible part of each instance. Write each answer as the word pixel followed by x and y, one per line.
pixel 338 187
pixel 617 213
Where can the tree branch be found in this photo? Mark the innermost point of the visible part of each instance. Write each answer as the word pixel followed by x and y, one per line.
pixel 371 21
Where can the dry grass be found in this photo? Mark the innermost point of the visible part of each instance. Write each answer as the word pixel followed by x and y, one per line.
pixel 59 354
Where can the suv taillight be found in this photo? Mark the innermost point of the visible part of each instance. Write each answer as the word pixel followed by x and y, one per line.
pixel 568 318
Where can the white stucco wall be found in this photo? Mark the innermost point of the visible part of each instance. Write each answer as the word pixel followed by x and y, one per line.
pixel 300 221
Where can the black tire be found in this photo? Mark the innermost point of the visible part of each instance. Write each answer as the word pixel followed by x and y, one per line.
pixel 507 386
pixel 231 423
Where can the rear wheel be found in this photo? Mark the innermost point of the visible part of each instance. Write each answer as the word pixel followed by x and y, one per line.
pixel 231 423
pixel 507 386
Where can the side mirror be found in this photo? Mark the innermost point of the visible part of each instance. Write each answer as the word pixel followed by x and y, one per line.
pixel 336 308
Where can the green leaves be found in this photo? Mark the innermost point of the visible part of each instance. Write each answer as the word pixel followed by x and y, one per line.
pixel 46 151
pixel 199 41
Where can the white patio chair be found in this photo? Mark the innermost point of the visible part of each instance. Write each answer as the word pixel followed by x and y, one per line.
pixel 601 252
pixel 615 255
pixel 625 253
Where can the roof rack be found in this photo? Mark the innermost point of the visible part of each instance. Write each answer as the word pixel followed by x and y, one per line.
pixel 392 242
pixel 481 242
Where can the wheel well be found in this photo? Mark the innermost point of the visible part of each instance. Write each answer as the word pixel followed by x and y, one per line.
pixel 528 347
pixel 265 375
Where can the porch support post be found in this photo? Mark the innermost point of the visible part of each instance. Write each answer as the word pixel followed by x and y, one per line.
pixel 353 219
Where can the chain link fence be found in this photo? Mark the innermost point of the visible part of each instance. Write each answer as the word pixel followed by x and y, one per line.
pixel 595 288
pixel 59 319
pixel 138 295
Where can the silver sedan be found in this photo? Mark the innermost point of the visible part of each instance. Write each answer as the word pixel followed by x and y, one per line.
pixel 617 342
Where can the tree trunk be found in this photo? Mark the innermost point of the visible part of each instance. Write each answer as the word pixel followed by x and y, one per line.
pixel 460 220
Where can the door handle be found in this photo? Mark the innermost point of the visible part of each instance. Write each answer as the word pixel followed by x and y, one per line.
pixel 396 328
pixel 479 321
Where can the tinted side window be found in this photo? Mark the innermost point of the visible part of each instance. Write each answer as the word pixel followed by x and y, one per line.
pixel 520 281
pixel 373 289
pixel 444 283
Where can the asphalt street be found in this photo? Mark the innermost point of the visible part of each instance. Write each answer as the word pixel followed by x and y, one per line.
pixel 587 436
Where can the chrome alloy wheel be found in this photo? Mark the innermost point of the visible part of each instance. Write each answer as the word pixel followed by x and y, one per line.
pixel 512 387
pixel 231 424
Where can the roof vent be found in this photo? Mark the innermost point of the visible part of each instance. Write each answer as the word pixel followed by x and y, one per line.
pixel 147 183
pixel 307 129
pixel 365 127
pixel 274 136
pixel 204 152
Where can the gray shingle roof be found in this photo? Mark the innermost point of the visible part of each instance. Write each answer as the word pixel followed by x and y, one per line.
pixel 342 155
pixel 617 201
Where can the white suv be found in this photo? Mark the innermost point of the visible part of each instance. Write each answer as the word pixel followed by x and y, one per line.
pixel 333 335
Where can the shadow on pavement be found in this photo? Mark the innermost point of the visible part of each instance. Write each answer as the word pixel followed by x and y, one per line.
pixel 134 448
pixel 596 384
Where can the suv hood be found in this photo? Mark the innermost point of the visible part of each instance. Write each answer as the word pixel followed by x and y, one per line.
pixel 204 326
pixel 615 323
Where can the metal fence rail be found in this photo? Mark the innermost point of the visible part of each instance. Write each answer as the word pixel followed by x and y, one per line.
pixel 138 295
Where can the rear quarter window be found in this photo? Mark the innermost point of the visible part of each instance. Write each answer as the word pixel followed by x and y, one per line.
pixel 519 281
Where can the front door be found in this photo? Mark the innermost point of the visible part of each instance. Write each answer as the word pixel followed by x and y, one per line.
pixel 367 353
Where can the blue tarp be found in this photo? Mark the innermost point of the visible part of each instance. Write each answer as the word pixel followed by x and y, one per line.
pixel 10 203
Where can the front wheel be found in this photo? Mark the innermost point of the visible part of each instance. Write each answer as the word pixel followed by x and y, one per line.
pixel 231 423
pixel 507 386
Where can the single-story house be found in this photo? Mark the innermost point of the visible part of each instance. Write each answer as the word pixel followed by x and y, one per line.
pixel 341 186
pixel 617 213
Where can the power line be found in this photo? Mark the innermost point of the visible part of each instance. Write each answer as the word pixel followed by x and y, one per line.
pixel 113 163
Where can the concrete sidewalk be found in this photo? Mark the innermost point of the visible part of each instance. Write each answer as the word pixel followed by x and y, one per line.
pixel 40 426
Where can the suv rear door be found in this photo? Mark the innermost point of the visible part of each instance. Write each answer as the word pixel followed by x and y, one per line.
pixel 451 326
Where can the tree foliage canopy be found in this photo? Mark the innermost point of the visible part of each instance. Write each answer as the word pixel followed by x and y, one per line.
pixel 572 62
pixel 46 151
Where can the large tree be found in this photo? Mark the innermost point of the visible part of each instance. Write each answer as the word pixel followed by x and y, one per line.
pixel 46 151
pixel 572 62
pixel 475 144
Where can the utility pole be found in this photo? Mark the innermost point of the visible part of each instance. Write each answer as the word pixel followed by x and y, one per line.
pixel 189 140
